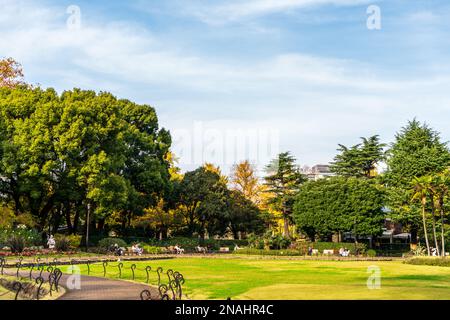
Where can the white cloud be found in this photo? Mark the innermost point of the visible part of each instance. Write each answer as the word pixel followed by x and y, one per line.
pixel 239 9
pixel 315 102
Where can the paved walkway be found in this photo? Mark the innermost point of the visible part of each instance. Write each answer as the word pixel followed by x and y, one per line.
pixel 95 288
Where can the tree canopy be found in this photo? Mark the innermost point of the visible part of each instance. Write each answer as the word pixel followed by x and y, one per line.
pixel 60 153
pixel 417 151
pixel 283 182
pixel 339 204
pixel 359 160
pixel 11 73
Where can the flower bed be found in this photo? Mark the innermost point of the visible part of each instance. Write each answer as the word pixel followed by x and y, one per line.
pixel 31 253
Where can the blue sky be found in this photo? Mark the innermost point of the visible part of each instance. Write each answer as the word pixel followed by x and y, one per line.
pixel 307 73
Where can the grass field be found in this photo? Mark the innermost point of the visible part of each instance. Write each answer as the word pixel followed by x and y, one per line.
pixel 6 294
pixel 249 278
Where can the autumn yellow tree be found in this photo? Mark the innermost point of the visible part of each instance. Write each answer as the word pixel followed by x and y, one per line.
pixel 11 73
pixel 244 179
pixel 174 170
pixel 215 169
pixel 160 219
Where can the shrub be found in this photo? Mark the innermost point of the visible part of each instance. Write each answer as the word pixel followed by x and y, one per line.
pixel 355 249
pixel 154 250
pixel 419 251
pixel 16 243
pixel 74 240
pixel 62 242
pixel 271 241
pixel 18 239
pixel 285 252
pixel 107 243
pixel 371 253
pixel 279 242
pixel 429 261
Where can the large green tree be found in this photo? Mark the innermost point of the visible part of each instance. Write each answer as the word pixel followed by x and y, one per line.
pixel 243 215
pixel 417 151
pixel 63 156
pixel 283 180
pixel 338 204
pixel 359 160
pixel 204 195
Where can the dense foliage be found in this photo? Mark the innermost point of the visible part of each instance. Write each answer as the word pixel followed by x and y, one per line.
pixel 359 160
pixel 283 181
pixel 64 155
pixel 416 152
pixel 83 163
pixel 338 205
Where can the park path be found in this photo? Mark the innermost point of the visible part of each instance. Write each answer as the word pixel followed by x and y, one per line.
pixel 96 288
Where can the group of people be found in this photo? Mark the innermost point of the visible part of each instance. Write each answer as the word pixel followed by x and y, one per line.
pixel 120 251
pixel 344 252
pixel 178 249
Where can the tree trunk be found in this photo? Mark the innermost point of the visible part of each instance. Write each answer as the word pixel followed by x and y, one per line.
pixel 413 232
pixel 286 225
pixel 434 226
pixel 76 219
pixel 68 220
pixel 58 214
pixel 425 229
pixel 435 236
pixel 88 218
pixel 442 231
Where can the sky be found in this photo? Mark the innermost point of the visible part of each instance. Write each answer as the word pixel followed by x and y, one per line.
pixel 234 79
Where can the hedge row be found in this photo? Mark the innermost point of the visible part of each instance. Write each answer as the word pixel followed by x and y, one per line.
pixel 440 262
pixel 190 244
pixel 262 252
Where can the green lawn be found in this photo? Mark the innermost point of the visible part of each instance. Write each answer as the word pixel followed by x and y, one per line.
pixel 249 278
pixel 6 294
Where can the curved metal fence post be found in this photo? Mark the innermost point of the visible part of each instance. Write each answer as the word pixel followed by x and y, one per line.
pixel 88 264
pixel 17 286
pixel 169 274
pixel 2 264
pixel 39 281
pixel 146 295
pixel 50 270
pixel 105 264
pixel 41 268
pixel 72 263
pixel 148 269
pixel 120 266
pixel 179 279
pixel 31 271
pixel 163 289
pixel 18 266
pixel 133 268
pixel 159 271
pixel 57 274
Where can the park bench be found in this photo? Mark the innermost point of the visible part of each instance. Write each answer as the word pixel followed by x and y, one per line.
pixel 200 249
pixel 175 250
pixel 224 249
pixel 328 252
pixel 129 252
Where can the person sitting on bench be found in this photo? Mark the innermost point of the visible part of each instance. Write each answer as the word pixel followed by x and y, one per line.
pixel 137 250
pixel 200 249
pixel 178 249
